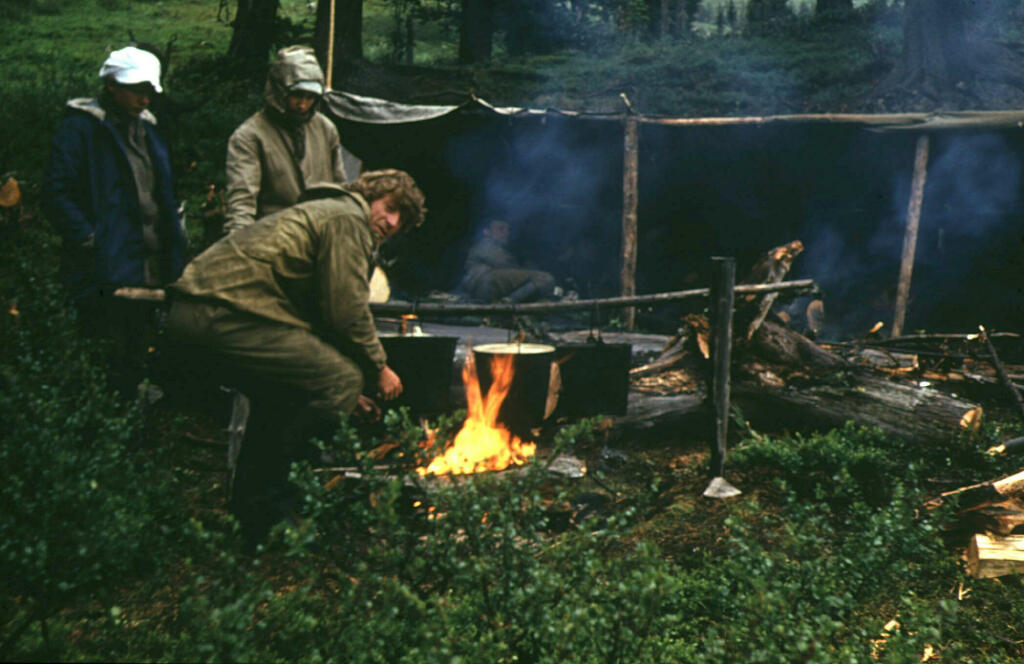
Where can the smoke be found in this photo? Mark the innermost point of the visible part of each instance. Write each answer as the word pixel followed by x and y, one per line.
pixel 967 254
pixel 558 185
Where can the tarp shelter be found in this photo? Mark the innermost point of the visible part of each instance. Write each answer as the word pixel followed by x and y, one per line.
pixel 718 186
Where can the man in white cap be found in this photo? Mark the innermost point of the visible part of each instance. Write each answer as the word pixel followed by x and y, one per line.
pixel 279 150
pixel 108 192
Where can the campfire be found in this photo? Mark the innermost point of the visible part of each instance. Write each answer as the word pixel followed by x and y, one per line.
pixel 483 443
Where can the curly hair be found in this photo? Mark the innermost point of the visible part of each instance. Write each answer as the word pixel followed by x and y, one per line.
pixel 403 190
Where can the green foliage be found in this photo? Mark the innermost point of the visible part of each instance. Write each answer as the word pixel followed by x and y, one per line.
pixel 82 510
pixel 104 559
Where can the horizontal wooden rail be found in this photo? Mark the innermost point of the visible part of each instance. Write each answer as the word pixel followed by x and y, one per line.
pixel 397 307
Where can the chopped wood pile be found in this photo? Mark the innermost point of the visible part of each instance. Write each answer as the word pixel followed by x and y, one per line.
pixel 919 387
pixel 991 515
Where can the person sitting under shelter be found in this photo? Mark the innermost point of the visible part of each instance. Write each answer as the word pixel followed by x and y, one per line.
pixel 280 310
pixel 492 272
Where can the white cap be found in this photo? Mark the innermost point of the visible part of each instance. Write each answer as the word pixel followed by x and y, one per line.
pixel 308 86
pixel 131 65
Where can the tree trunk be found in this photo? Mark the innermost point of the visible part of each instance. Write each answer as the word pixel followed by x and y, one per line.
pixel 348 32
pixel 942 56
pixel 253 34
pixel 476 31
pixel 832 6
pixel 688 13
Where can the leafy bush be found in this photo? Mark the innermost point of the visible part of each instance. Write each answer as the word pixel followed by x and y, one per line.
pixel 82 511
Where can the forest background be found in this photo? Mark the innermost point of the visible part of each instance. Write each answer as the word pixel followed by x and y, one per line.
pixel 114 540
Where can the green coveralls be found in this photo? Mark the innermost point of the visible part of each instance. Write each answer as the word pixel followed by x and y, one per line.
pixel 287 299
pixel 281 307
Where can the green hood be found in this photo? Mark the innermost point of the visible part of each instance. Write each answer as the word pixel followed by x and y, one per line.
pixel 292 65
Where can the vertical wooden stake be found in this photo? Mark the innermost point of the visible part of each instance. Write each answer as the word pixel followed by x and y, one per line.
pixel 722 298
pixel 330 46
pixel 629 221
pixel 910 234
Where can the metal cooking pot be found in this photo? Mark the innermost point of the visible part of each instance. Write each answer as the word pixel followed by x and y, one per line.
pixel 595 379
pixel 523 408
pixel 424 363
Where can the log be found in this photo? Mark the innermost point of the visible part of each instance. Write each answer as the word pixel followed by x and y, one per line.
pixel 651 417
pixel 780 345
pixel 1011 446
pixel 1003 518
pixel 989 556
pixel 930 338
pixel 771 269
pixel 924 416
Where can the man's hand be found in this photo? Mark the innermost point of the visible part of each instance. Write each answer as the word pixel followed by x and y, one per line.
pixel 366 409
pixel 389 385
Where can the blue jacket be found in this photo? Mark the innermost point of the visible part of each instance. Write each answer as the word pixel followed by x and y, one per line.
pixel 90 197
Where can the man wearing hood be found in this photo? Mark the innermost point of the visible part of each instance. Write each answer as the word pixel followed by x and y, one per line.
pixel 109 194
pixel 275 154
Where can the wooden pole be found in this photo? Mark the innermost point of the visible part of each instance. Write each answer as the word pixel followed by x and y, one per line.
pixel 910 234
pixel 629 217
pixel 722 299
pixel 800 286
pixel 330 45
pixel 397 307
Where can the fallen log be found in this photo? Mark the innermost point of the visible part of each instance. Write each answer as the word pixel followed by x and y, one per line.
pixel 649 417
pixel 773 401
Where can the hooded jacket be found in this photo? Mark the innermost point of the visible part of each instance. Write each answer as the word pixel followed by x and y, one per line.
pixel 90 197
pixel 307 266
pixel 264 174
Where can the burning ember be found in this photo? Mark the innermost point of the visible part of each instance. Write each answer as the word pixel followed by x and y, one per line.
pixel 483 444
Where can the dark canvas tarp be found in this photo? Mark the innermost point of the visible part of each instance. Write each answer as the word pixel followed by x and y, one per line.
pixel 714 186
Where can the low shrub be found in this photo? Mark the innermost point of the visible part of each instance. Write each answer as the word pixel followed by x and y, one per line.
pixel 82 511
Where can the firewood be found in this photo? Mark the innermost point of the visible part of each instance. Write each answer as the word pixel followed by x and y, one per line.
pixel 771 269
pixel 885 359
pixel 990 491
pixel 989 556
pixel 1003 518
pixel 778 344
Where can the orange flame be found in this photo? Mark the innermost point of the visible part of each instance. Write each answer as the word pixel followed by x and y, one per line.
pixel 483 444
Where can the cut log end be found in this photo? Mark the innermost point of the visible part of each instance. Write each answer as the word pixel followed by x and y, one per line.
pixel 990 556
pixel 971 420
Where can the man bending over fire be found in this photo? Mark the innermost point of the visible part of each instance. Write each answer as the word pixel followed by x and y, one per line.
pixel 281 310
